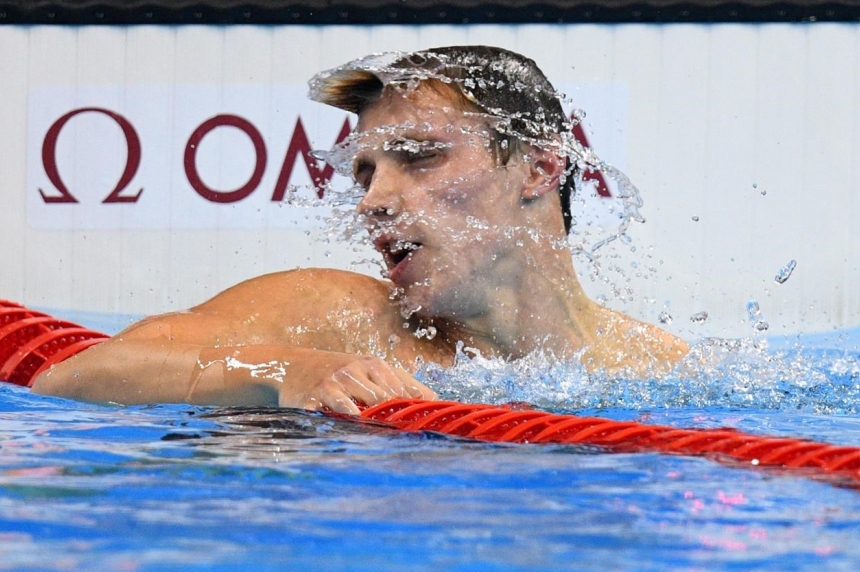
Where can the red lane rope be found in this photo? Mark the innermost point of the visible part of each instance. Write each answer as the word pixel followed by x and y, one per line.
pixel 502 424
pixel 31 342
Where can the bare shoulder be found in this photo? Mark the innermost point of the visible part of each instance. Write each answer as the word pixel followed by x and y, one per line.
pixel 628 344
pixel 308 288
pixel 324 309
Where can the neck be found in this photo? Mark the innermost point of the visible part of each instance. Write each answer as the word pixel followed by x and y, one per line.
pixel 539 306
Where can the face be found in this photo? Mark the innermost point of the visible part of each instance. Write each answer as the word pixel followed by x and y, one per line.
pixel 440 208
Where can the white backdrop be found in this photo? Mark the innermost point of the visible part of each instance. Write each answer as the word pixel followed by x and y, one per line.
pixel 744 140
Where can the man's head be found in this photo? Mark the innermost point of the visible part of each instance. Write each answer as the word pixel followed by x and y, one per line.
pixel 503 84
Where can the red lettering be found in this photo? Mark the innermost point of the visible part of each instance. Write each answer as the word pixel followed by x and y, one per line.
pixel 590 174
pixel 190 159
pixel 132 162
pixel 299 144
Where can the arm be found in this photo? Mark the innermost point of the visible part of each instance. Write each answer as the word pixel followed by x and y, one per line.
pixel 133 371
pixel 268 341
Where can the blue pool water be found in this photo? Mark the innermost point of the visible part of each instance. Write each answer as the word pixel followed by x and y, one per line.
pixel 175 487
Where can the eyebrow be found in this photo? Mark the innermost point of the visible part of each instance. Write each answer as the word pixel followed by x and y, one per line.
pixel 395 139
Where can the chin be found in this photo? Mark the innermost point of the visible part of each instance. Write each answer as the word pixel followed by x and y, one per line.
pixel 421 300
pixel 412 302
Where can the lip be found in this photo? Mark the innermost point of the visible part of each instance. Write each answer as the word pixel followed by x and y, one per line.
pixel 397 273
pixel 397 258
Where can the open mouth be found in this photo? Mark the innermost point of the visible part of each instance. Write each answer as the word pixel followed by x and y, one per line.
pixel 396 251
pixel 399 250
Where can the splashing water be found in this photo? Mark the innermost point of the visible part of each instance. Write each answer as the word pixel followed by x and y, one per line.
pixel 628 194
pixel 716 373
pixel 759 324
pixel 405 72
pixel 699 317
pixel 785 272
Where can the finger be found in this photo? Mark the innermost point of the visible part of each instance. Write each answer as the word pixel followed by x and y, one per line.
pixel 343 404
pixel 415 388
pixel 329 397
pixel 358 385
pixel 388 379
pixel 400 383
pixel 338 401
pixel 311 404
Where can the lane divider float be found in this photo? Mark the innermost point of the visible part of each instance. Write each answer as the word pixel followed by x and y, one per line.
pixel 513 424
pixel 31 342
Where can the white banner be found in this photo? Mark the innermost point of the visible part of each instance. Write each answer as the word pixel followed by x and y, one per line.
pixel 194 157
pixel 177 157
pixel 132 177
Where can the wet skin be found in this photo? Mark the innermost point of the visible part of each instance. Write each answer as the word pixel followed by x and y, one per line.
pixel 448 204
pixel 472 250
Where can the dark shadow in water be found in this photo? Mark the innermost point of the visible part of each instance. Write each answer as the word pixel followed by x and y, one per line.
pixel 297 430
pixel 294 423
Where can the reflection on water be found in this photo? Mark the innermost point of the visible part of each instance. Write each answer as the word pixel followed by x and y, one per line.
pixel 175 486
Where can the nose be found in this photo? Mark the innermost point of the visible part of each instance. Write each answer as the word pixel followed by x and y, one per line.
pixel 383 198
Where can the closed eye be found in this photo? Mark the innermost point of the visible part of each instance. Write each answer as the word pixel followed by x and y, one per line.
pixel 363 174
pixel 407 152
pixel 418 159
pixel 414 152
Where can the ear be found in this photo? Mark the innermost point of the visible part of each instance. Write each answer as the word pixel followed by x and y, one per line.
pixel 545 168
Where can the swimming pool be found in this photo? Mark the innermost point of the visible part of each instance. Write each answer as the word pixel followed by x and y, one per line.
pixel 179 487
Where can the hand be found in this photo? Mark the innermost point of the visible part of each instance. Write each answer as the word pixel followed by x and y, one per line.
pixel 335 381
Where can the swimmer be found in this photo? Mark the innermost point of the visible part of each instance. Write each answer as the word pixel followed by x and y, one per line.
pixel 465 187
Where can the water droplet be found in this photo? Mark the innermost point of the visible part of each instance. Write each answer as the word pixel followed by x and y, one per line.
pixel 429 332
pixel 665 318
pixel 785 272
pixel 753 310
pixel 759 324
pixel 695 218
pixel 699 317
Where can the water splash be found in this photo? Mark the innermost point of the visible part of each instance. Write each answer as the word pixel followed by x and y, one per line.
pixel 627 194
pixel 785 272
pixel 699 317
pixel 716 373
pixel 484 82
pixel 759 324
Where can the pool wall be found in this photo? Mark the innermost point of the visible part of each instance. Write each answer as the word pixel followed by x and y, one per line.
pixel 145 168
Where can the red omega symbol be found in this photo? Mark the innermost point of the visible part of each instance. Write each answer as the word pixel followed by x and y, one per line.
pixel 49 158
